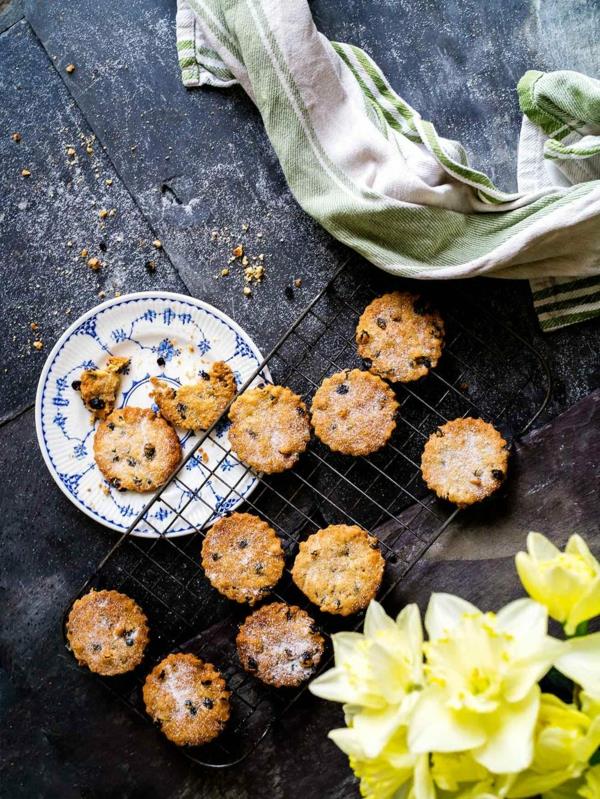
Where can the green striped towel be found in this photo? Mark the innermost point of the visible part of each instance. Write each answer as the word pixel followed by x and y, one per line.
pixel 379 178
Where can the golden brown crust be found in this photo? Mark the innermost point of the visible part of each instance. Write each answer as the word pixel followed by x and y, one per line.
pixel 107 632
pixel 280 644
pixel 400 336
pixel 464 461
pixel 339 569
pixel 196 406
pixel 188 698
pixel 242 557
pixel 269 428
pixel 99 387
pixel 135 449
pixel 354 412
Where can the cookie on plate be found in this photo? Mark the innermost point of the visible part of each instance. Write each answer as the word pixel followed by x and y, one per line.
pixel 280 644
pixel 107 632
pixel 400 336
pixel 196 406
pixel 354 412
pixel 269 428
pixel 339 569
pixel 99 387
pixel 188 699
pixel 242 557
pixel 136 449
pixel 464 461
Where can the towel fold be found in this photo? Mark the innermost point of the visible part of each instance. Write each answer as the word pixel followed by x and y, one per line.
pixel 379 178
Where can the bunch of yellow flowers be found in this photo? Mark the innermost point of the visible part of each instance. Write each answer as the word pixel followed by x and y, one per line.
pixel 461 715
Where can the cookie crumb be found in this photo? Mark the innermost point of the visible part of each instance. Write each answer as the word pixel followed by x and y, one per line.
pixel 157 243
pixel 298 282
pixel 245 227
pixel 16 137
pixel 151 265
pixel 103 213
pixel 34 326
pixel 71 152
pixel 94 263
pixel 224 272
pixel 25 173
pixel 83 253
pixel 102 294
pixel 238 251
pixel 247 291
pixel 70 68
pixel 37 345
pixel 108 181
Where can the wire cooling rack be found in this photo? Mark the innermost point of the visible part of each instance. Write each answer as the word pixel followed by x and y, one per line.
pixel 487 370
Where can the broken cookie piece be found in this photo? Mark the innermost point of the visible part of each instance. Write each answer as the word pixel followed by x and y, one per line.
pixel 99 387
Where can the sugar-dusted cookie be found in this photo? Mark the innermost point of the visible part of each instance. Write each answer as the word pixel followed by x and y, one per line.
pixel 280 644
pixel 99 387
pixel 136 449
pixel 269 428
pixel 354 412
pixel 464 461
pixel 339 569
pixel 188 699
pixel 196 406
pixel 107 632
pixel 242 557
pixel 400 336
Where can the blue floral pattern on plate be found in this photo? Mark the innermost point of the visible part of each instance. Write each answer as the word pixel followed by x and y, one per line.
pixel 168 336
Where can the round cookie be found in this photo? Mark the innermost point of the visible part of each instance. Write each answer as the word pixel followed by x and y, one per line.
pixel 135 449
pixel 242 557
pixel 269 428
pixel 280 644
pixel 107 632
pixel 464 461
pixel 339 569
pixel 400 336
pixel 354 412
pixel 196 406
pixel 188 699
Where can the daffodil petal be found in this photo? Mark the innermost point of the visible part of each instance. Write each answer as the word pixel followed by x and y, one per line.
pixel 509 745
pixel 423 784
pixel 374 728
pixel 344 645
pixel 376 619
pixel 444 612
pixel 346 739
pixel 333 685
pixel 541 547
pixel 588 606
pixel 526 672
pixel 581 662
pixel 577 546
pixel 435 728
pixel 527 621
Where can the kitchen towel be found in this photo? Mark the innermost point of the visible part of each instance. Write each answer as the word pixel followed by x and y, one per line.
pixel 379 178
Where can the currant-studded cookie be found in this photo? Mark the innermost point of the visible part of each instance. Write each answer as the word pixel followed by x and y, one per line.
pixel 136 449
pixel 400 336
pixel 464 461
pixel 354 412
pixel 107 632
pixel 99 387
pixel 196 406
pixel 280 644
pixel 188 699
pixel 269 428
pixel 339 569
pixel 242 557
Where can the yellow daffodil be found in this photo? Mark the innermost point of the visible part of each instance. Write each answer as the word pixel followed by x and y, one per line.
pixel 580 660
pixel 567 583
pixel 565 739
pixel 394 774
pixel 377 674
pixel 481 689
pixel 586 787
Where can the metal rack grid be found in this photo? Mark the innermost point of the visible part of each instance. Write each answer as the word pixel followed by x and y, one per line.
pixel 382 493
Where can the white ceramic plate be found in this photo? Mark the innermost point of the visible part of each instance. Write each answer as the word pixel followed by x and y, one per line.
pixel 187 334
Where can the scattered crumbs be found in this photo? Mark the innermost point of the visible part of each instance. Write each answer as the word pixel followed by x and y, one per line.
pixel 69 244
pixel 83 253
pixel 68 311
pixel 254 274
pixel 71 152
pixel 238 251
pixel 117 293
pixel 103 213
pixel 464 386
pixel 102 294
pixel 245 261
pixel 109 181
pixel 259 235
pixel 151 265
pixel 89 150
pixel 224 272
pixel 298 282
pixel 16 136
pixel 247 291
pixel 70 68
pixel 105 489
pixel 38 344
pixel 214 235
pixel 94 263
pixel 245 227
pixel 204 456
pixel 34 326
pixel 26 173
pixel 157 243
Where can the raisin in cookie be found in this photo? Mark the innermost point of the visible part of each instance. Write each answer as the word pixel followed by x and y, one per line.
pixel 99 387
pixel 242 557
pixel 198 405
pixel 280 644
pixel 135 449
pixel 107 632
pixel 339 569
pixel 188 699
pixel 354 412
pixel 400 336
pixel 269 428
pixel 464 461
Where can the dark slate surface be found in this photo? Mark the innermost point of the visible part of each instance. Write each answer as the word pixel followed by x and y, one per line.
pixel 62 734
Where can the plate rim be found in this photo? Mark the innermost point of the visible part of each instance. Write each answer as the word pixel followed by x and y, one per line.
pixel 136 295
